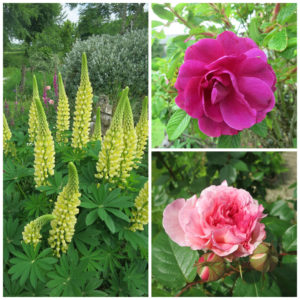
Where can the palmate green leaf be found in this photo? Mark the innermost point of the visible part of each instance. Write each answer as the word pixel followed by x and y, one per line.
pixel 15 172
pixel 253 285
pixel 289 239
pixel 162 12
pixel 56 184
pixel 106 205
pixel 70 275
pixel 36 205
pixel 12 235
pixel 31 264
pixel 136 239
pixel 178 122
pixel 91 288
pixel 172 265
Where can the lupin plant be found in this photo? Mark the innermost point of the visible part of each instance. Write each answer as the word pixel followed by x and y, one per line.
pixel 43 148
pixel 6 135
pixel 108 165
pixel 33 121
pixel 142 131
pixel 83 108
pixel 140 214
pixel 65 211
pixel 97 130
pixel 32 231
pixel 130 142
pixel 63 113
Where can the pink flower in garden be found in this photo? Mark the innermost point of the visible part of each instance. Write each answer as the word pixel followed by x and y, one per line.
pixel 225 83
pixel 225 220
pixel 47 87
pixel 51 102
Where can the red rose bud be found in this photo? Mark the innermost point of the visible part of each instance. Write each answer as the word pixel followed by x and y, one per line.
pixel 264 258
pixel 210 267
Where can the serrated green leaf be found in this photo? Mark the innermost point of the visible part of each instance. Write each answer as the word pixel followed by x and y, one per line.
pixel 260 129
pixel 289 239
pixel 177 124
pixel 156 23
pixel 229 141
pixel 281 209
pixel 279 40
pixel 172 265
pixel 158 133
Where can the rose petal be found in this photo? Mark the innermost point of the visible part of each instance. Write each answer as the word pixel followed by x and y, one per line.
pixel 234 45
pixel 190 69
pixel 214 129
pixel 192 99
pixel 236 114
pixel 171 222
pixel 257 93
pixel 205 50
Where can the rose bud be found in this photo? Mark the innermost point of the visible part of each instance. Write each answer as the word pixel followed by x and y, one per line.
pixel 210 267
pixel 264 258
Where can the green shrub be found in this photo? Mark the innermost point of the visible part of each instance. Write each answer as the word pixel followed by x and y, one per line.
pixel 114 62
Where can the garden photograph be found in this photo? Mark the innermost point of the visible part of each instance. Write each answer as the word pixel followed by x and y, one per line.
pixel 224 75
pixel 224 224
pixel 75 150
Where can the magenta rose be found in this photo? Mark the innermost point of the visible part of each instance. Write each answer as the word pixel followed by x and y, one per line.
pixel 225 220
pixel 226 84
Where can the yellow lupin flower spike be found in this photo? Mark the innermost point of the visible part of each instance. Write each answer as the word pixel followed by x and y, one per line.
pixel 33 121
pixel 65 211
pixel 83 108
pixel 43 148
pixel 142 131
pixel 97 131
pixel 6 135
pixel 140 214
pixel 130 143
pixel 63 112
pixel 108 165
pixel 31 233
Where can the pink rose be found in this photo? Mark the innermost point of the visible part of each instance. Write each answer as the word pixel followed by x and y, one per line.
pixel 51 102
pixel 226 84
pixel 224 220
pixel 47 87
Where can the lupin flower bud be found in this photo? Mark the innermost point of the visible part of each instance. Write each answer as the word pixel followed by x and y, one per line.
pixel 63 113
pixel 97 130
pixel 6 135
pixel 140 214
pixel 142 131
pixel 130 142
pixel 108 165
pixel 264 258
pixel 65 211
pixel 210 267
pixel 83 108
pixel 33 121
pixel 43 148
pixel 31 233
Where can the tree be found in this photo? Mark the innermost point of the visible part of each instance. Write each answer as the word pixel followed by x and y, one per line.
pixel 25 21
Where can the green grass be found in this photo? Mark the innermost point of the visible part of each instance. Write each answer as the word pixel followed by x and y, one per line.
pixel 13 78
pixel 14 58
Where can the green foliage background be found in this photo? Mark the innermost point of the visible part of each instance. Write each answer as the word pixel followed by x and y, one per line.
pixel 183 174
pixel 275 31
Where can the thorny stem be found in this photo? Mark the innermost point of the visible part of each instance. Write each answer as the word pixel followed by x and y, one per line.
pixel 180 17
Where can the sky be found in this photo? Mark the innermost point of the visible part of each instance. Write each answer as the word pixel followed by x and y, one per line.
pixel 72 15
